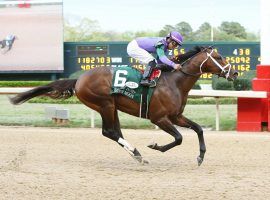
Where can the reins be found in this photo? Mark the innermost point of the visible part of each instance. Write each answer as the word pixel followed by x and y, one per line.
pixel 209 55
pixel 183 63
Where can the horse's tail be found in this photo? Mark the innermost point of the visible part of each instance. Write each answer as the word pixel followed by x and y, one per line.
pixel 56 90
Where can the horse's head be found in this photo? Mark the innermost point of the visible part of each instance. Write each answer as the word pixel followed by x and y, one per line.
pixel 216 64
pixel 206 60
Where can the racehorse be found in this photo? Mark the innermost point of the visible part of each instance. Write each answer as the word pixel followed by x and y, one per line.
pixel 8 42
pixel 166 105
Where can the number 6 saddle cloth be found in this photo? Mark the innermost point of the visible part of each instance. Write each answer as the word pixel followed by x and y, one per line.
pixel 126 81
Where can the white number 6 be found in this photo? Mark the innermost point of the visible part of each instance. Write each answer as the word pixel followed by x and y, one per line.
pixel 120 81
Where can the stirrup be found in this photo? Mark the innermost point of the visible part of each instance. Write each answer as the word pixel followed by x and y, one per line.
pixel 153 83
pixel 148 83
pixel 145 82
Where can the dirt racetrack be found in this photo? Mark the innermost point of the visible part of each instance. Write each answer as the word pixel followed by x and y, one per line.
pixel 46 163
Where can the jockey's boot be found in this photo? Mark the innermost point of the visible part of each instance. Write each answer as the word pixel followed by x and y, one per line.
pixel 147 73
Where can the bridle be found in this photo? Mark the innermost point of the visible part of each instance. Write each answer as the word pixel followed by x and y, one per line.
pixel 223 72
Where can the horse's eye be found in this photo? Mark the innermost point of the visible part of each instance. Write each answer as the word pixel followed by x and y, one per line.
pixel 219 57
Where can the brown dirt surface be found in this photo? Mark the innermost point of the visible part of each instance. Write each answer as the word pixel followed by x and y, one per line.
pixel 62 163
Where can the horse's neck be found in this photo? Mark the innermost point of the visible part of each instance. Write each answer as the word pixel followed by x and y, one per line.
pixel 185 82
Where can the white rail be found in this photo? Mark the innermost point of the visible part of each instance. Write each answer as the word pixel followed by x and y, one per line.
pixel 198 93
pixel 13 90
pixel 226 93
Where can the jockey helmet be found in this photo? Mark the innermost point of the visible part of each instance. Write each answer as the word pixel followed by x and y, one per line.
pixel 177 37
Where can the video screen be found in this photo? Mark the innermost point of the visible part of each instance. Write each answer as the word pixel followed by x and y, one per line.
pixel 31 36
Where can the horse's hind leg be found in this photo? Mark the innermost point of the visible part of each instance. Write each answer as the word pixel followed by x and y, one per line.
pixel 111 129
pixel 166 125
pixel 185 122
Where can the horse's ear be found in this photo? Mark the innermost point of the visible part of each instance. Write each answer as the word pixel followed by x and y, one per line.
pixel 201 48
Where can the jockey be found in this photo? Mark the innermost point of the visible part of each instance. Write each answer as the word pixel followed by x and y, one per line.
pixel 8 41
pixel 142 49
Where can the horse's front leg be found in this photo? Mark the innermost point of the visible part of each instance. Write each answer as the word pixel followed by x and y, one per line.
pixel 166 125
pixel 185 122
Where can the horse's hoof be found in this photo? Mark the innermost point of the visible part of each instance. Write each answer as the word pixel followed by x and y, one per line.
pixel 152 146
pixel 199 160
pixel 144 162
pixel 141 160
pixel 138 158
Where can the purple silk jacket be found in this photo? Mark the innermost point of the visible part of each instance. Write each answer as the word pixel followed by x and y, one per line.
pixel 151 44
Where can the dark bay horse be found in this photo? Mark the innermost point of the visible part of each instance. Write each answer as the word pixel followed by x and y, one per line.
pixel 166 106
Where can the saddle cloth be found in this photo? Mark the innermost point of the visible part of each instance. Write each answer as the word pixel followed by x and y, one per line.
pixel 126 81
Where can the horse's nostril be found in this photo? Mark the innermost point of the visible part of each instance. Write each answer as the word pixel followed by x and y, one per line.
pixel 235 74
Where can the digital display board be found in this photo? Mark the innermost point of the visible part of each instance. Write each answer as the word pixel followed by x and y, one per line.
pixel 90 55
pixel 31 36
pixel 242 56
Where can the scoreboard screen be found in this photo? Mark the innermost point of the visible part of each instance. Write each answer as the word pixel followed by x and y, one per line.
pixel 242 56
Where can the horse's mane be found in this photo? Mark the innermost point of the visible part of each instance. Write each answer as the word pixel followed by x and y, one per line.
pixel 183 57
